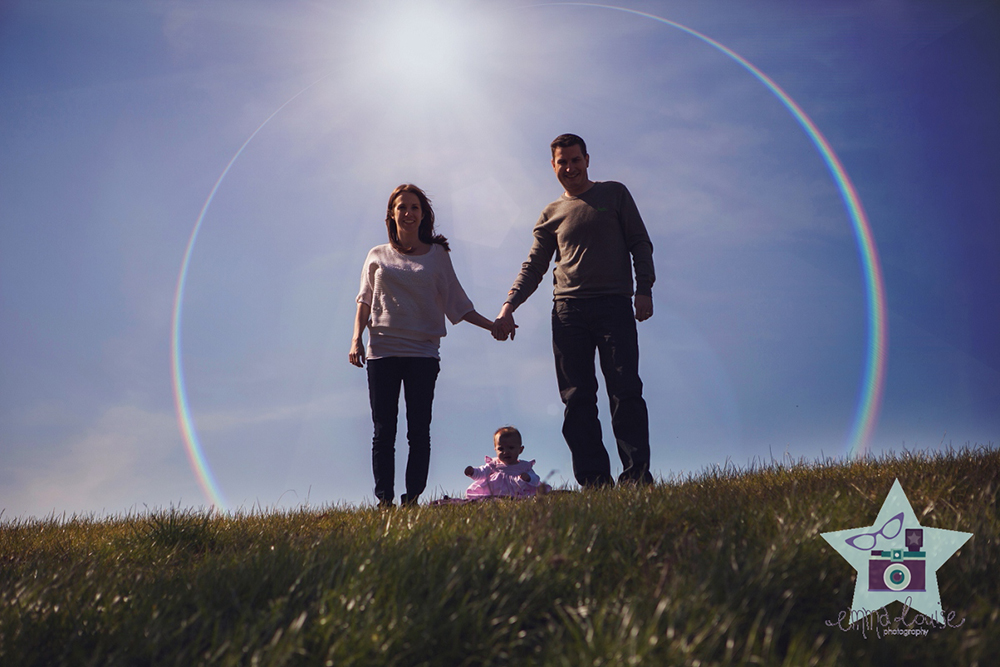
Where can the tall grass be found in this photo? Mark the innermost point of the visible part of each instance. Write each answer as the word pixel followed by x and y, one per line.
pixel 723 568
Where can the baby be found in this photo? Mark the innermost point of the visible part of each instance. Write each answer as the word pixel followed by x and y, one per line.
pixel 505 475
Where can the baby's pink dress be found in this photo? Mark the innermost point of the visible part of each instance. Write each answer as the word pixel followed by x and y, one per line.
pixel 497 479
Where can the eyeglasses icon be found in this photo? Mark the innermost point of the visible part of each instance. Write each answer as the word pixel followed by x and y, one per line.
pixel 867 541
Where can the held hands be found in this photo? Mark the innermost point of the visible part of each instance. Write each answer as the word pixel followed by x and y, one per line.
pixel 503 325
pixel 643 307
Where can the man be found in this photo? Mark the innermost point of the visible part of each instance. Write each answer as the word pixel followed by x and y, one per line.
pixel 593 230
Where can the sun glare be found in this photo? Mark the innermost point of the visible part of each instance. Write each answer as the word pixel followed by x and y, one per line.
pixel 421 46
pixel 418 44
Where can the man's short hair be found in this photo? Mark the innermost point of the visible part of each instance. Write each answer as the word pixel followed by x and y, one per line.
pixel 567 140
pixel 507 433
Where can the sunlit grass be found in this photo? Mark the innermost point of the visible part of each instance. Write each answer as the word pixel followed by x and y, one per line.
pixel 723 568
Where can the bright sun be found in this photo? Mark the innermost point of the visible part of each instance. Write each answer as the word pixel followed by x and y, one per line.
pixel 418 43
pixel 423 46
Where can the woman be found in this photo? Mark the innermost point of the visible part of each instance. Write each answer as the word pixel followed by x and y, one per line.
pixel 408 286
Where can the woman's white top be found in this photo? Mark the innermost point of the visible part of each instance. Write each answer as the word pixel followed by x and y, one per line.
pixel 410 295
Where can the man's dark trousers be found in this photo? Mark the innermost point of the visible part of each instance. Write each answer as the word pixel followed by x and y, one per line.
pixel 605 324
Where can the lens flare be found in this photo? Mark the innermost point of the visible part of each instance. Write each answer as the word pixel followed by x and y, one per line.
pixel 196 456
pixel 873 378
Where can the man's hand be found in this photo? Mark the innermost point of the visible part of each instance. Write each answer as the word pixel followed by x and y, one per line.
pixel 503 325
pixel 643 307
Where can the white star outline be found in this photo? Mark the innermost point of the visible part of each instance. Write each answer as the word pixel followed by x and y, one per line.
pixel 938 544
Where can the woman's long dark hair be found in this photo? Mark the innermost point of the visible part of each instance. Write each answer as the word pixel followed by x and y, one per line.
pixel 426 230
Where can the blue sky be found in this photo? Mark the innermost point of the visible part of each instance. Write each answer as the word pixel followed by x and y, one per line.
pixel 118 118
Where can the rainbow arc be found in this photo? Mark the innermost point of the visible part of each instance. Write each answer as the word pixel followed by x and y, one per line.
pixel 873 376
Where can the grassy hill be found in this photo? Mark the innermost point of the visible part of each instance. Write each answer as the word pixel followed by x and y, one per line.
pixel 723 568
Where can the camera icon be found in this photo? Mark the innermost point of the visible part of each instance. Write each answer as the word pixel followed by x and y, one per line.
pixel 898 570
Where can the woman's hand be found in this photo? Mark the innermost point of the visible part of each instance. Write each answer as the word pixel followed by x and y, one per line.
pixel 357 353
pixel 469 471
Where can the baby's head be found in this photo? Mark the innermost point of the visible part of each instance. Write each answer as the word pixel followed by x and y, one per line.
pixel 507 442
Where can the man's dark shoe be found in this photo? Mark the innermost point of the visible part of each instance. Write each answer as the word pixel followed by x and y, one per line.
pixel 645 478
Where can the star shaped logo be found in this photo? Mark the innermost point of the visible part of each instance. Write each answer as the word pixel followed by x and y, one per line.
pixel 896 558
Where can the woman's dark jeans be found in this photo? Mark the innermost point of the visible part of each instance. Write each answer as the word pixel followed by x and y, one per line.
pixel 607 325
pixel 417 376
